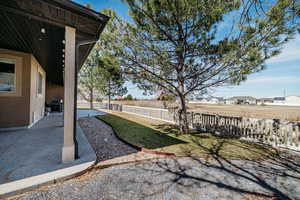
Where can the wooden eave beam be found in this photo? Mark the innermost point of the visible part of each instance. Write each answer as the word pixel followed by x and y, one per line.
pixel 58 23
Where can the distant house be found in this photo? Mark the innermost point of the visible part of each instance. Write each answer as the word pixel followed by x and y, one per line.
pixel 265 101
pixel 199 100
pixel 220 100
pixel 208 100
pixel 229 101
pixel 241 100
pixel 279 100
pixel 292 100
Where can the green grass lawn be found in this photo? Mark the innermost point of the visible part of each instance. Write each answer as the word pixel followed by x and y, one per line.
pixel 164 137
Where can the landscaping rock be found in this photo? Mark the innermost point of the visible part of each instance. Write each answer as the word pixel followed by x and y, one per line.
pixel 103 140
pixel 181 179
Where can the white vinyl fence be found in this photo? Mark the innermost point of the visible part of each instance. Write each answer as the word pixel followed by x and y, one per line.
pixel 153 113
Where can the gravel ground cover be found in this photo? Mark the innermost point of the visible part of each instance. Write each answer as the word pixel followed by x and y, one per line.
pixel 181 179
pixel 103 140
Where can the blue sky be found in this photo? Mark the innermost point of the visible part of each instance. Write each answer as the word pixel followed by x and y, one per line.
pixel 282 73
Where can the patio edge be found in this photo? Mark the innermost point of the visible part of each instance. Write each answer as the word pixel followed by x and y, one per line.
pixel 34 182
pixel 27 184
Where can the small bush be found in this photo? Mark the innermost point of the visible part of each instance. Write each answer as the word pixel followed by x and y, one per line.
pixel 128 97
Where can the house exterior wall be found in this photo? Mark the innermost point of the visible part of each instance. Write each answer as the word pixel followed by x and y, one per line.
pixel 54 92
pixel 37 100
pixel 292 100
pixel 16 109
pixel 279 102
pixel 230 101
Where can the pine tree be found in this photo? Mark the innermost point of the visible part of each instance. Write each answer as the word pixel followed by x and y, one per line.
pixel 102 72
pixel 190 46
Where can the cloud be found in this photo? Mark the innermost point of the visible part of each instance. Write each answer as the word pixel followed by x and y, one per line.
pixel 274 79
pixel 290 52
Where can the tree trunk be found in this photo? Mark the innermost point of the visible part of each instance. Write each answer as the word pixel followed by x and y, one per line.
pixel 91 99
pixel 109 95
pixel 182 116
pixel 83 95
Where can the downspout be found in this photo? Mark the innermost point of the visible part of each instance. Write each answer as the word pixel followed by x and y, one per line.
pixel 77 65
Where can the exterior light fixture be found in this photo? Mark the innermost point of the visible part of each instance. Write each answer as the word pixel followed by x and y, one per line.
pixel 43 30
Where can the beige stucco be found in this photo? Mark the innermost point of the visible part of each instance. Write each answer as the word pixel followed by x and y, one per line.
pixel 16 110
pixel 54 92
pixel 37 101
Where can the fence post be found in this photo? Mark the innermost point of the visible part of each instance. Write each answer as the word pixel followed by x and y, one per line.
pixel 192 119
pixel 217 127
pixel 297 136
pixel 275 131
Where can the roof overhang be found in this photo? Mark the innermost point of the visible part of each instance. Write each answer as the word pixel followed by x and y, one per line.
pixel 22 22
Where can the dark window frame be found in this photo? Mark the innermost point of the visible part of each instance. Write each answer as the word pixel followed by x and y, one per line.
pixel 9 63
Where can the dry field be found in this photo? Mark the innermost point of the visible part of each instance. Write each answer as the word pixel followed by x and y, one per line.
pixel 291 113
pixel 143 103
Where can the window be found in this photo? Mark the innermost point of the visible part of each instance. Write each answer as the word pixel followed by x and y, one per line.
pixel 7 75
pixel 40 83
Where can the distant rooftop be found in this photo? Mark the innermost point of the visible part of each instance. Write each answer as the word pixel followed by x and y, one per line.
pixel 279 98
pixel 242 98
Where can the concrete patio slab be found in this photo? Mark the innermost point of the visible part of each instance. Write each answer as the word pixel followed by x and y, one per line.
pixel 32 157
pixel 88 113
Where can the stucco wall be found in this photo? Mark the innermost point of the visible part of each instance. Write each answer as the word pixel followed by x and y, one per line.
pixel 54 92
pixel 14 110
pixel 37 101
pixel 24 107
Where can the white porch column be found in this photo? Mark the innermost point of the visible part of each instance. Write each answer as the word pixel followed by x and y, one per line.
pixel 68 151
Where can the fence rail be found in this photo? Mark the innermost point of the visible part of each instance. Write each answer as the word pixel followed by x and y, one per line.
pixel 274 132
pixel 153 113
pixel 278 133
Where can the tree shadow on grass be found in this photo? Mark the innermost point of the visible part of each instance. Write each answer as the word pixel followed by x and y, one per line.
pixel 167 128
pixel 206 142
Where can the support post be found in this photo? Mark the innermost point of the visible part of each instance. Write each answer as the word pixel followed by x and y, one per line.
pixel 68 151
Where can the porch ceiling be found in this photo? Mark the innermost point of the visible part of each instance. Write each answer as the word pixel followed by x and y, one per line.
pixel 37 27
